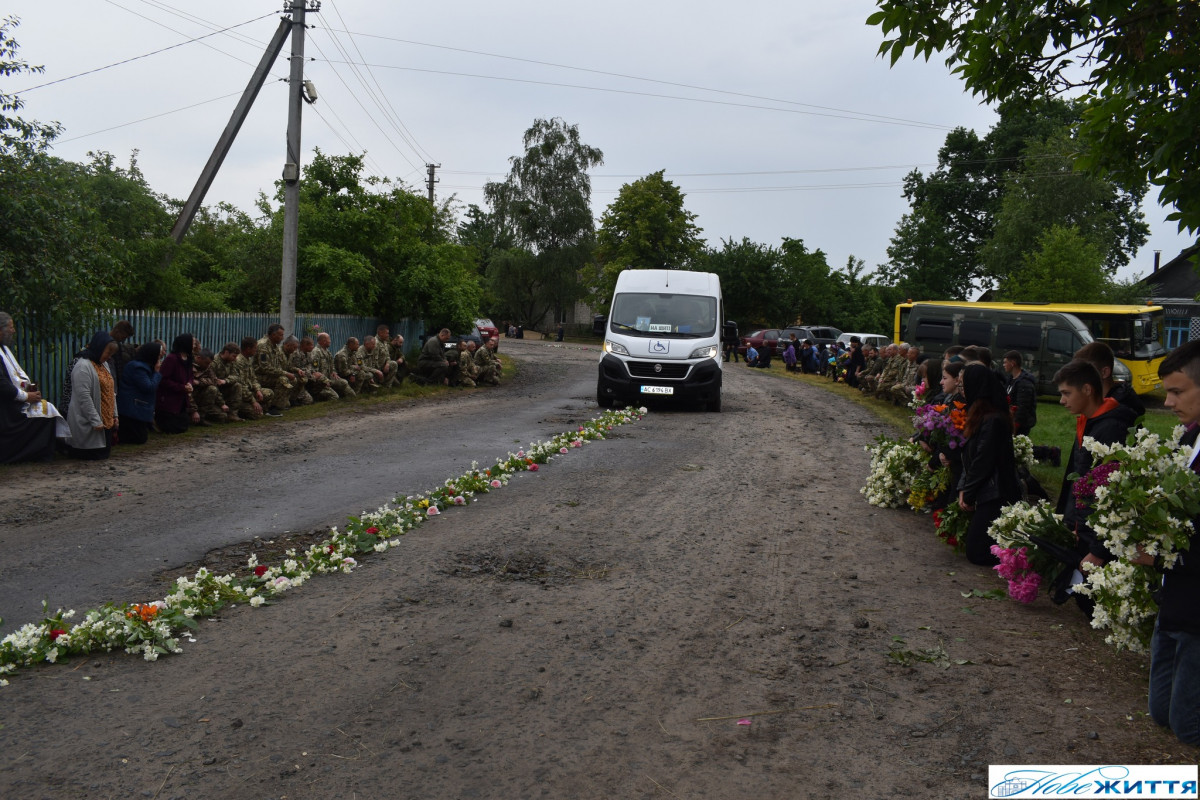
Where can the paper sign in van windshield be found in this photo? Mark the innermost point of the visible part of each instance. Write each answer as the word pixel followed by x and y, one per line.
pixel 660 346
pixel 643 324
pixel 658 390
pixel 657 328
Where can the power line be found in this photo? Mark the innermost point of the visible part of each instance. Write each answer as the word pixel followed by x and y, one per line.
pixel 418 149
pixel 144 55
pixel 655 95
pixel 146 119
pixel 181 33
pixel 880 117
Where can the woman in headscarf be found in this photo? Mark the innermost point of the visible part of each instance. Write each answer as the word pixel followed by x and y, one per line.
pixel 92 415
pixel 989 477
pixel 139 386
pixel 175 387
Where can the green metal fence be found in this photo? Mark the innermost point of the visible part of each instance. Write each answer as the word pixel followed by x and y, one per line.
pixel 47 356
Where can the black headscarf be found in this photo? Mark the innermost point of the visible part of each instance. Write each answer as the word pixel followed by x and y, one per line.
pixel 182 346
pixel 95 349
pixel 149 353
pixel 980 382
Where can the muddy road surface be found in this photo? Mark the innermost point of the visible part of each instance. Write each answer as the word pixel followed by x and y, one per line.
pixel 702 606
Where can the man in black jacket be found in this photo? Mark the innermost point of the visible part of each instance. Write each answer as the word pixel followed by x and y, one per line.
pixel 1022 393
pixel 1100 356
pixel 1175 648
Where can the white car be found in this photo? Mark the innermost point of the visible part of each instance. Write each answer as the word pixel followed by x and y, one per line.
pixel 874 339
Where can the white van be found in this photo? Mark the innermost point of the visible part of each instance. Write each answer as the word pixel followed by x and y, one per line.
pixel 663 338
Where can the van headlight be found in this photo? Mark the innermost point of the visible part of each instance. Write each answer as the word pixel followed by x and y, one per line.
pixel 1121 373
pixel 704 352
pixel 615 348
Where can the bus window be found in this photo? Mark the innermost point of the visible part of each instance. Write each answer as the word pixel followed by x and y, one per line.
pixel 1010 336
pixel 940 331
pixel 975 332
pixel 1060 341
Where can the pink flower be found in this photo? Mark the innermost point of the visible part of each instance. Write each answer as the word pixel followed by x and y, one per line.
pixel 562 450
pixel 520 454
pixel 533 467
pixel 459 500
pixel 433 511
pixel 1025 589
pixel 495 484
pixel 577 443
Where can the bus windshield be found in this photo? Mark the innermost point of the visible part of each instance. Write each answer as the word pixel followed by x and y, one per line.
pixel 682 315
pixel 1135 337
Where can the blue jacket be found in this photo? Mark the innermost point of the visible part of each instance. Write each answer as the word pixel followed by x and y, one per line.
pixel 139 384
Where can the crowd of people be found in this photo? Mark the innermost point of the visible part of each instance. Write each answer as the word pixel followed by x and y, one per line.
pixel 118 392
pixel 993 405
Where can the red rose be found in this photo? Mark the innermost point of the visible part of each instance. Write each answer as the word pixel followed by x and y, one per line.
pixel 260 570
pixel 57 632
pixel 329 549
pixel 372 530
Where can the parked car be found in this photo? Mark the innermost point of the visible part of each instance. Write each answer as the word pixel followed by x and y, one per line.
pixel 486 329
pixel 820 334
pixel 768 337
pixel 874 339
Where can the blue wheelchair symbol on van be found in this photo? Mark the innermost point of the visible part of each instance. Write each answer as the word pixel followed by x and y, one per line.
pixel 659 346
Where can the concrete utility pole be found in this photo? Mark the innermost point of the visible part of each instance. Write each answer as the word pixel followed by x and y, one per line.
pixel 291 167
pixel 230 133
pixel 430 181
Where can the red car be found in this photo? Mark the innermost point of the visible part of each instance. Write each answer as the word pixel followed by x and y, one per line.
pixel 768 337
pixel 487 330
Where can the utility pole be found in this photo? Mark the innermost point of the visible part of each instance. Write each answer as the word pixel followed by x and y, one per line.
pixel 430 181
pixel 291 167
pixel 230 133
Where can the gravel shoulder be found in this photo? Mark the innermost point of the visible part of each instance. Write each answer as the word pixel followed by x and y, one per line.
pixel 599 629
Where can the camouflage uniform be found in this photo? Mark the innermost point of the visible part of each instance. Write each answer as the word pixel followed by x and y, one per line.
pixel 869 379
pixel 322 360
pixel 206 394
pixel 351 367
pixel 379 359
pixel 458 376
pixel 889 375
pixel 905 383
pixel 271 369
pixel 489 366
pixel 467 370
pixel 316 388
pixel 248 378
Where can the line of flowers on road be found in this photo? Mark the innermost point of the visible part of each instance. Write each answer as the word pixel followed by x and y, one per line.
pixel 154 629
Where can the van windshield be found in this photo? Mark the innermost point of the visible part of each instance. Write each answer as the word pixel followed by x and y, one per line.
pixel 685 316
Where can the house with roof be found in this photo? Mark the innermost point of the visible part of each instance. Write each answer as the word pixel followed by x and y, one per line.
pixel 1175 286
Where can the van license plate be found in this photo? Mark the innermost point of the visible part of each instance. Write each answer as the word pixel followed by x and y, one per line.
pixel 658 390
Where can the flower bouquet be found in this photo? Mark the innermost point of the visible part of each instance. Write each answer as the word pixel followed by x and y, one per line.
pixel 927 485
pixel 951 525
pixel 1024 534
pixel 942 424
pixel 1023 452
pixel 895 466
pixel 1143 506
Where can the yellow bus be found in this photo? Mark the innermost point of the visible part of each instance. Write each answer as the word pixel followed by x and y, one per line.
pixel 1135 333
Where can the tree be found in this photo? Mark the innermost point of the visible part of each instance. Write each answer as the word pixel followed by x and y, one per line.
pixel 14 131
pixel 546 202
pixel 646 227
pixel 1050 193
pixel 935 253
pixel 1133 65
pixel 858 303
pixel 1065 267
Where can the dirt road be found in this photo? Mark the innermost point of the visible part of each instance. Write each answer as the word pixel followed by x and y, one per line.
pixel 602 629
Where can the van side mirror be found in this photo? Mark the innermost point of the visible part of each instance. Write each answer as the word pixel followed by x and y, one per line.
pixel 730 329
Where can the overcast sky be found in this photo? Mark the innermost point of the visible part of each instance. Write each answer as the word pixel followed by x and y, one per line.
pixel 776 119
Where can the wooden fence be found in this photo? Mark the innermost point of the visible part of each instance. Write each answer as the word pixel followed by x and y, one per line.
pixel 47 357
